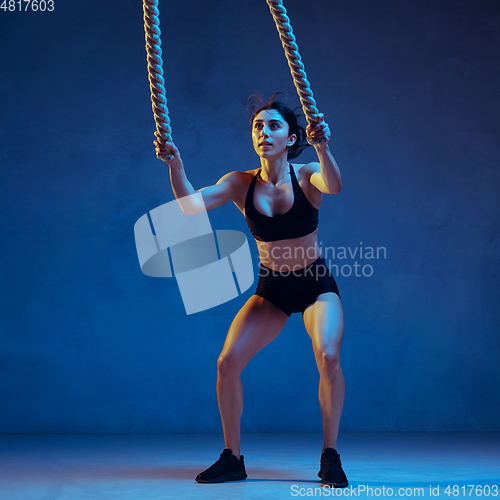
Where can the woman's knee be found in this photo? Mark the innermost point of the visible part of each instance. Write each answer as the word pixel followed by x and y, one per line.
pixel 229 364
pixel 328 362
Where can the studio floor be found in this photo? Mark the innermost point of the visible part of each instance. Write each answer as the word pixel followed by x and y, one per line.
pixel 279 466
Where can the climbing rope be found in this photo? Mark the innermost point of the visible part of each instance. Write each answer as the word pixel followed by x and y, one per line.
pixel 155 70
pixel 155 65
pixel 294 61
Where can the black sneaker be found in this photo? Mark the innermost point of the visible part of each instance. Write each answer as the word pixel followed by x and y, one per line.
pixel 331 472
pixel 227 468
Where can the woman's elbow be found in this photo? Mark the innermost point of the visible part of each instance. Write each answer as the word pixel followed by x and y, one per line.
pixel 192 204
pixel 335 189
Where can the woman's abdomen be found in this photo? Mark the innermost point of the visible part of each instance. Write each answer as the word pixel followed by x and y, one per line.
pixel 289 255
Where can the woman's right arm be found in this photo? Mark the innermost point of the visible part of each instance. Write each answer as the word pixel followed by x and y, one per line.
pixel 213 196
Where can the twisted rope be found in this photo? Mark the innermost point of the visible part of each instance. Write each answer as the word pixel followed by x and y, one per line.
pixel 155 65
pixel 299 76
pixel 155 69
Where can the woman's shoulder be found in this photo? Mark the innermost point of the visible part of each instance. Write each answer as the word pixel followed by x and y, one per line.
pixel 237 176
pixel 244 177
pixel 303 173
pixel 238 182
pixel 252 172
pixel 243 174
pixel 305 170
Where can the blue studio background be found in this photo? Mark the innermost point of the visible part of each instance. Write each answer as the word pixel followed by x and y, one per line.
pixel 410 90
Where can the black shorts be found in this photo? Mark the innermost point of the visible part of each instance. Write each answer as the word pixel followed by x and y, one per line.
pixel 295 290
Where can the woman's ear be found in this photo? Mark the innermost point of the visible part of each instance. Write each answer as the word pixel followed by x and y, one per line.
pixel 291 140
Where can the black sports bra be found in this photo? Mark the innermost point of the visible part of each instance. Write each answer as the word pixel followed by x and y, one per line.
pixel 300 220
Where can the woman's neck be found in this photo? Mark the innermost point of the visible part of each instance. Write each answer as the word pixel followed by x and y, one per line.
pixel 274 169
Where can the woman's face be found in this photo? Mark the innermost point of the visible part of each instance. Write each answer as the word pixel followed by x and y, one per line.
pixel 270 134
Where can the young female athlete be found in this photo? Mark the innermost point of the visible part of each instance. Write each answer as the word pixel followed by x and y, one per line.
pixel 280 202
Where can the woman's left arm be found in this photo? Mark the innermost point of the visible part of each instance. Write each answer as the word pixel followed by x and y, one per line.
pixel 328 179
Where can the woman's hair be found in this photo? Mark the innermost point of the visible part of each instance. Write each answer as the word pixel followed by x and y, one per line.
pixel 255 104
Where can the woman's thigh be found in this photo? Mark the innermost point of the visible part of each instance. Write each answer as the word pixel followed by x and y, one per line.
pixel 257 324
pixel 324 322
